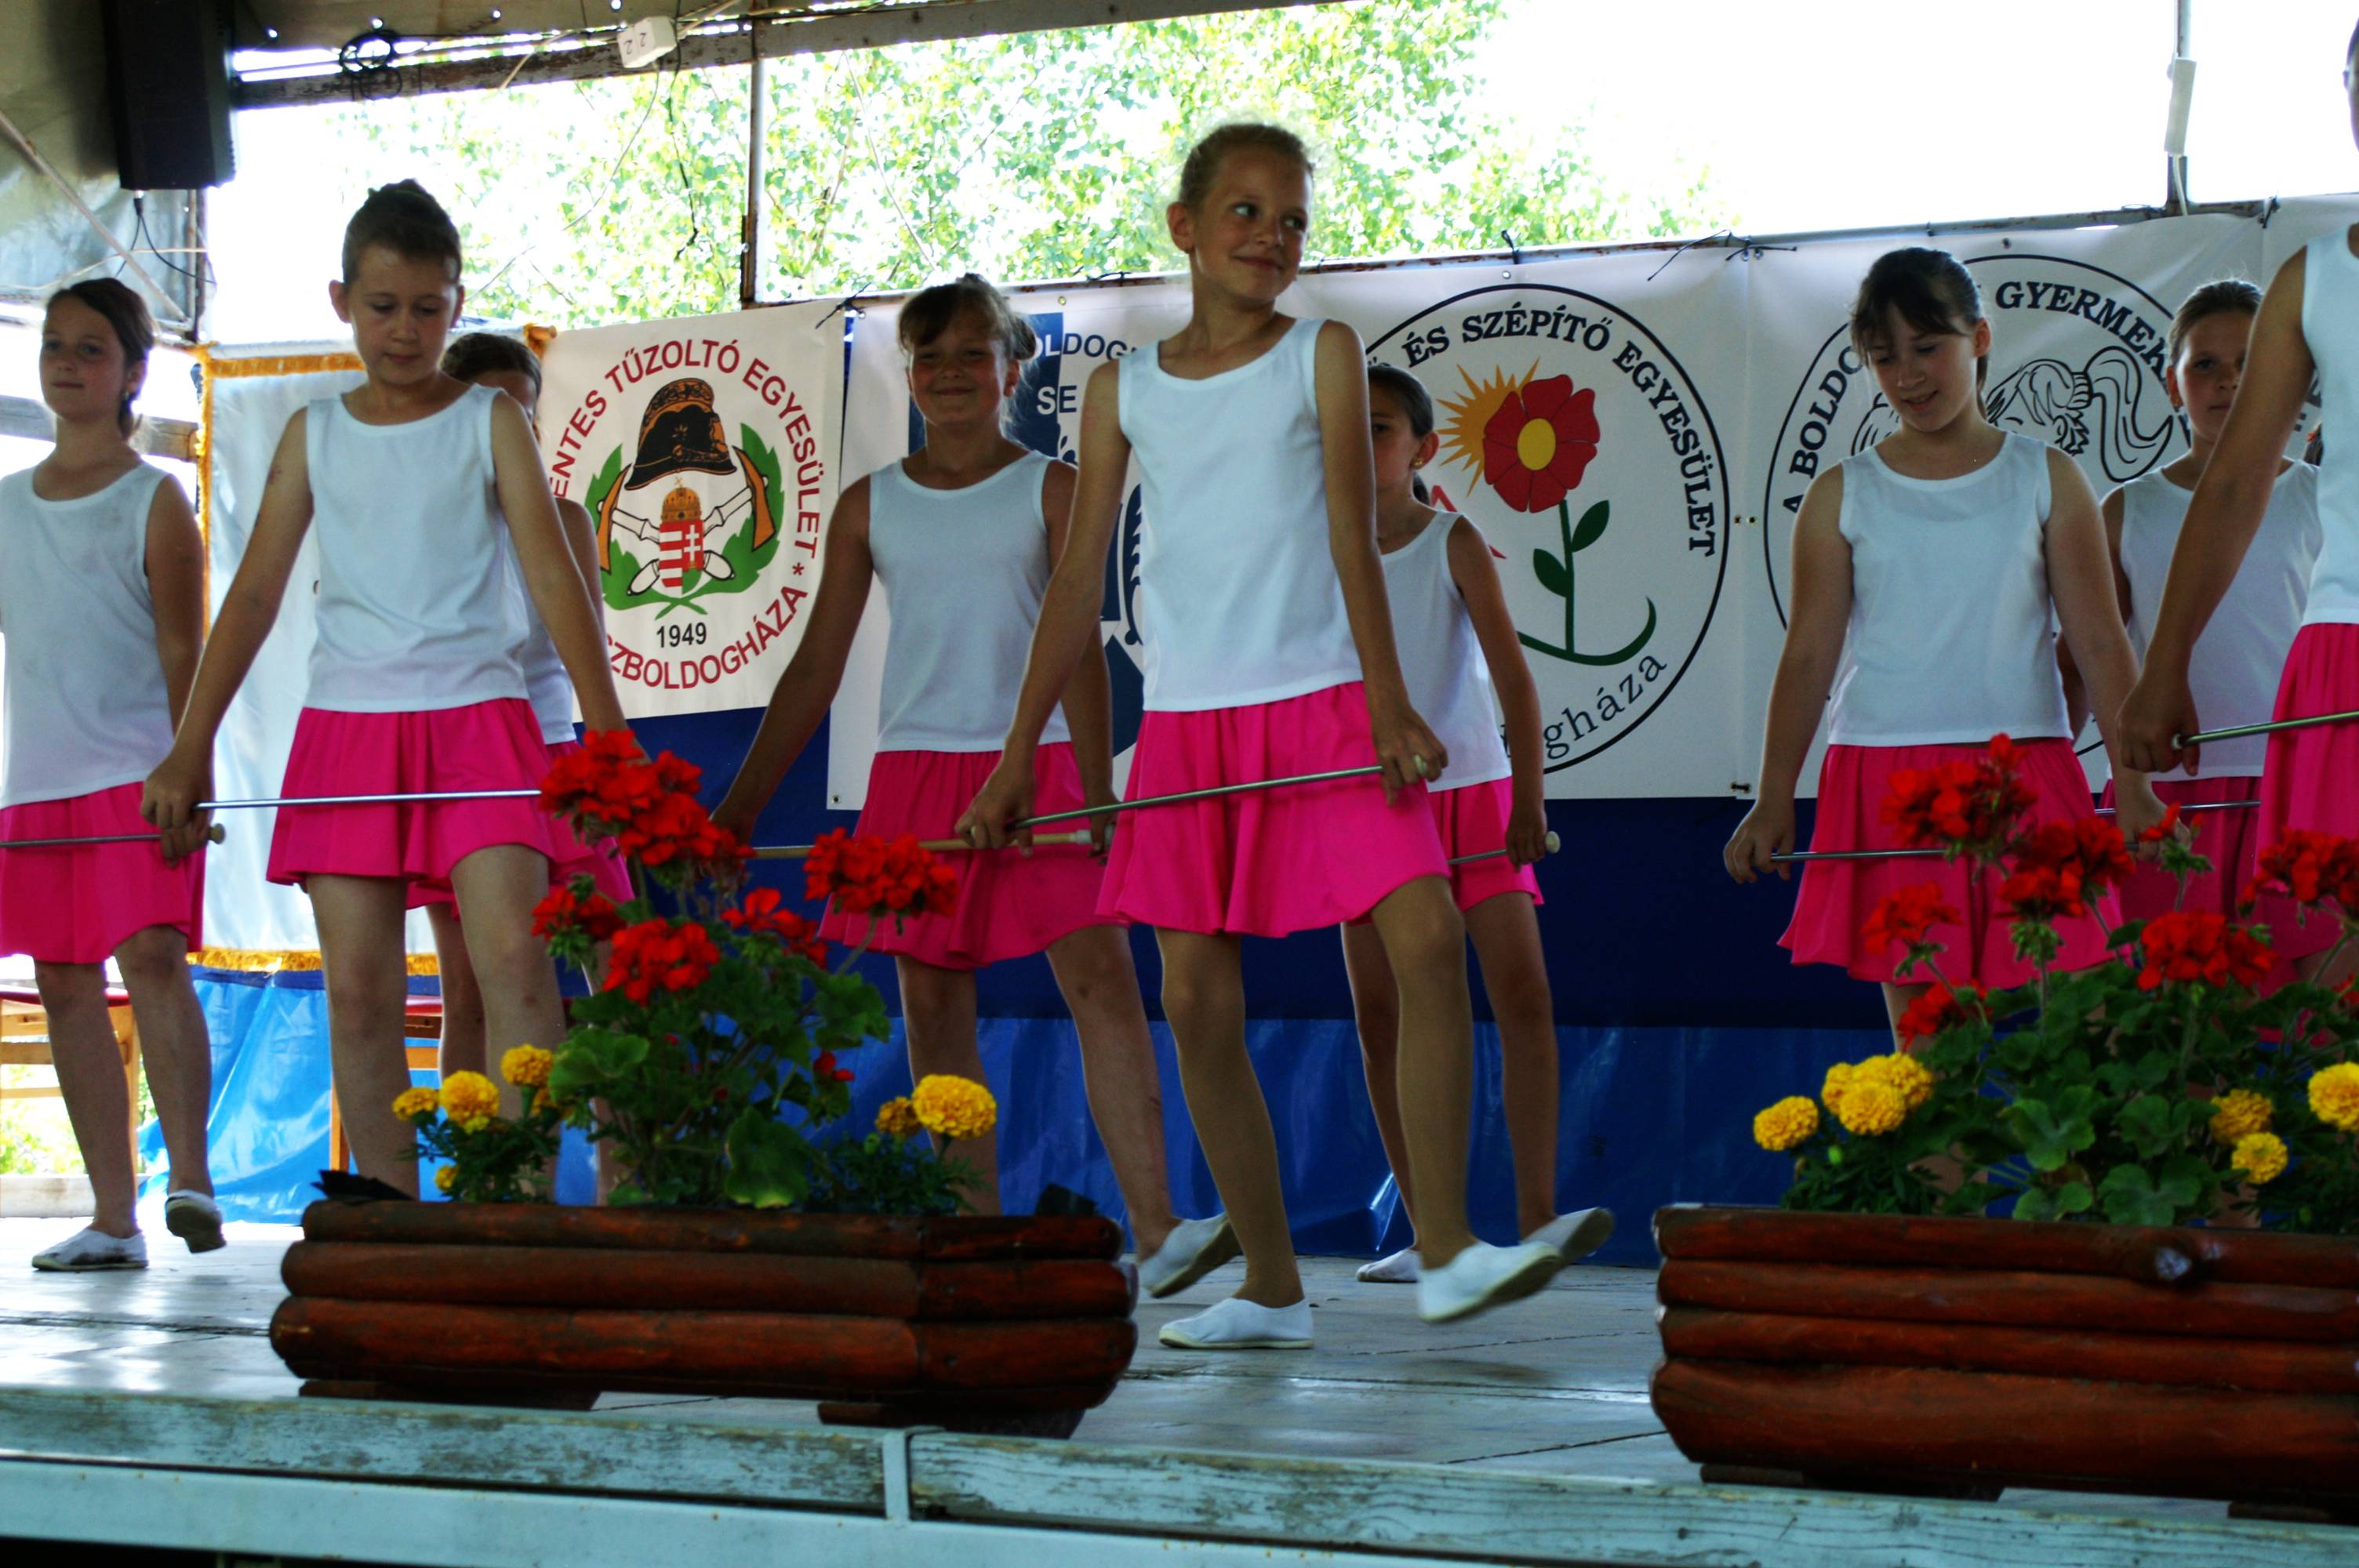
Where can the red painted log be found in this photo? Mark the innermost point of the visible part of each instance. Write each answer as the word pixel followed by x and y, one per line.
pixel 2023 1299
pixel 715 1230
pixel 2153 1254
pixel 2252 1365
pixel 2011 1431
pixel 963 1356
pixel 711 1282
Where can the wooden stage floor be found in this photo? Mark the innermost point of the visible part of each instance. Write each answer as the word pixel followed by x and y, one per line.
pixel 1522 1434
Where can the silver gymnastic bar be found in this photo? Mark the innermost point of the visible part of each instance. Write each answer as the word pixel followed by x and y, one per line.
pixel 2270 729
pixel 214 835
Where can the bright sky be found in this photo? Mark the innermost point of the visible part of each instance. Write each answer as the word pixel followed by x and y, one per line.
pixel 1807 114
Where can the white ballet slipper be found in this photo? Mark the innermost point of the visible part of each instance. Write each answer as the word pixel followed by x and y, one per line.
pixel 1400 1268
pixel 1482 1277
pixel 1240 1324
pixel 1576 1235
pixel 1194 1249
pixel 195 1218
pixel 86 1252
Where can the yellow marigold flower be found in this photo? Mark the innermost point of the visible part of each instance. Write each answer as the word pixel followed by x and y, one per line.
pixel 414 1103
pixel 954 1108
pixel 476 1123
pixel 543 1101
pixel 898 1118
pixel 1870 1107
pixel 2334 1095
pixel 446 1178
pixel 1788 1123
pixel 2240 1113
pixel 526 1067
pixel 1903 1074
pixel 2261 1156
pixel 469 1097
pixel 1839 1078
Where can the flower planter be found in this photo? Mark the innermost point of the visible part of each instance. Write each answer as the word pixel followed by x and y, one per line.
pixel 1960 1357
pixel 1012 1325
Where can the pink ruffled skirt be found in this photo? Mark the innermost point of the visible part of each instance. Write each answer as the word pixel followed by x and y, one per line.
pixel 1473 820
pixel 1009 905
pixel 1267 862
pixel 484 746
pixel 77 905
pixel 600 861
pixel 1837 896
pixel 2311 779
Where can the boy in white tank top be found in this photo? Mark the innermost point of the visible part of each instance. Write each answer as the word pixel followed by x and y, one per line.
pixel 2242 655
pixel 2308 326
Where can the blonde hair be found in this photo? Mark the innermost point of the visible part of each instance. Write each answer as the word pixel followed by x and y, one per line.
pixel 1203 161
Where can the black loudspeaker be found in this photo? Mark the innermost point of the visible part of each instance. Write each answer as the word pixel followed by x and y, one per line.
pixel 168 79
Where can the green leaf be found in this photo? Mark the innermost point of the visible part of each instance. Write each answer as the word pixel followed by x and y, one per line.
pixel 2149 1125
pixel 769 1162
pixel 1551 573
pixel 2051 1135
pixel 2130 1197
pixel 1591 526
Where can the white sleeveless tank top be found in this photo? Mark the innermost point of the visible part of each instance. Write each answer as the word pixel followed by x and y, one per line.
pixel 1238 601
pixel 84 695
pixel 2242 652
pixel 2330 323
pixel 546 685
pixel 1449 682
pixel 963 572
pixel 1952 635
pixel 419 606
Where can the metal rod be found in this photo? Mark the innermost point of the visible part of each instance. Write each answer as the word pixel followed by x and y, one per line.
pixel 2200 806
pixel 1902 854
pixel 1423 767
pixel 2242 730
pixel 1554 844
pixel 418 799
pixel 938 845
pixel 214 835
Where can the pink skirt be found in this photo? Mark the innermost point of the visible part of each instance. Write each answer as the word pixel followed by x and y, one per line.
pixel 78 905
pixel 2231 841
pixel 1837 896
pixel 1009 905
pixel 484 746
pixel 1473 820
pixel 1267 863
pixel 2311 779
pixel 601 861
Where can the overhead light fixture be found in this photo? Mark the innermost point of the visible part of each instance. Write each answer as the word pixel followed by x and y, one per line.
pixel 645 41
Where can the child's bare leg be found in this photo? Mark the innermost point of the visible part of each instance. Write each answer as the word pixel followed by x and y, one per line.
pixel 1426 941
pixel 1375 1009
pixel 90 1077
pixel 174 1047
pixel 497 887
pixel 1093 968
pixel 462 1000
pixel 1506 935
pixel 937 1017
pixel 367 979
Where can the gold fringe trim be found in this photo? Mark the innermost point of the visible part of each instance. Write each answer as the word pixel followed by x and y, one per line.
pixel 271 959
pixel 236 367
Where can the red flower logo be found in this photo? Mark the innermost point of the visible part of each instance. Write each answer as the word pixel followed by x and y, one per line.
pixel 1540 442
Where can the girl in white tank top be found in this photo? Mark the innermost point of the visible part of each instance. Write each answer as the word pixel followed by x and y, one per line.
pixel 101 609
pixel 1929 569
pixel 959 536
pixel 1457 640
pixel 408 482
pixel 1269 654
pixel 2242 655
pixel 2307 327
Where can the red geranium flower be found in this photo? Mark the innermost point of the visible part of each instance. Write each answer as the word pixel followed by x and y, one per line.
pixel 2060 865
pixel 2198 947
pixel 824 1069
pixel 1907 917
pixel 1938 1009
pixel 657 953
pixel 2164 829
pixel 878 876
pixel 760 914
pixel 2312 868
pixel 561 912
pixel 1540 442
pixel 1969 804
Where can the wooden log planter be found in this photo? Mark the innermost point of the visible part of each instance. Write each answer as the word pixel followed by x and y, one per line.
pixel 974 1324
pixel 1960 1357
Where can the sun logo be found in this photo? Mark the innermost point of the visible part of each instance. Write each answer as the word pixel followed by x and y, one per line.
pixel 1462 436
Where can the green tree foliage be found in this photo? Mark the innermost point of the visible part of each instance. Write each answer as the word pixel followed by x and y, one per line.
pixel 1033 157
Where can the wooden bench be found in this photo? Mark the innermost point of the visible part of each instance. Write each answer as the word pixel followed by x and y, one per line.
pixel 25 1043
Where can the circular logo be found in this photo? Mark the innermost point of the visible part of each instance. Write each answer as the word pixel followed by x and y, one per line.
pixel 2077 356
pixel 1576 441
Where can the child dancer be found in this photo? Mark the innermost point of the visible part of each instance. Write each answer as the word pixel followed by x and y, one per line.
pixel 410 480
pixel 504 364
pixel 1928 671
pixel 1269 654
pixel 2309 324
pixel 960 534
pixel 103 607
pixel 2235 665
pixel 1456 639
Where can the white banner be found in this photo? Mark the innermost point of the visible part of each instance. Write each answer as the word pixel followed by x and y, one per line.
pixel 1634 433
pixel 704 450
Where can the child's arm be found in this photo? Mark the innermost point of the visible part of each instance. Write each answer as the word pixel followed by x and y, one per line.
pixel 1089 695
pixel 1806 670
pixel 2221 521
pixel 1403 740
pixel 2077 711
pixel 175 588
pixel 808 682
pixel 581 538
pixel 247 612
pixel 1477 578
pixel 1069 613
pixel 2081 582
pixel 550 575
